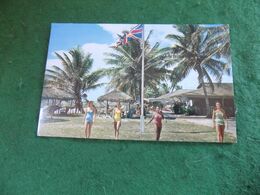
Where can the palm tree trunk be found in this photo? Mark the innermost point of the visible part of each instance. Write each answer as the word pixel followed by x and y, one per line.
pixel 206 98
pixel 77 91
pixel 201 81
pixel 78 103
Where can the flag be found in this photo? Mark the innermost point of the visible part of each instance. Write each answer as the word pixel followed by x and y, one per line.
pixel 136 32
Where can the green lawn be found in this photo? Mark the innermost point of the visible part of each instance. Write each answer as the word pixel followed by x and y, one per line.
pixel 173 130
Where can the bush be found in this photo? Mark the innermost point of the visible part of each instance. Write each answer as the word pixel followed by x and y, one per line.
pixel 189 110
pixel 179 109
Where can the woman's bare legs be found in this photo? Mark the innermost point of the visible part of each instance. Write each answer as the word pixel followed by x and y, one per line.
pixel 88 129
pixel 158 132
pixel 220 133
pixel 117 126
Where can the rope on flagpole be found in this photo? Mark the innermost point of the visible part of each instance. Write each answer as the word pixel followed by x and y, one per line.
pixel 142 85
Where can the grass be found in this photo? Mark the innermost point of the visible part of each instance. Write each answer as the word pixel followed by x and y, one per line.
pixel 173 130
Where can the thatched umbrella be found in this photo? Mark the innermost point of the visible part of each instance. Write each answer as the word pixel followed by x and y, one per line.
pixel 115 96
pixel 51 93
pixel 55 93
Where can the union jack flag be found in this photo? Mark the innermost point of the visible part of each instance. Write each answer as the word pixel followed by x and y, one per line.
pixel 136 32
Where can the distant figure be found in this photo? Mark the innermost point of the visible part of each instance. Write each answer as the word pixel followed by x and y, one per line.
pixel 157 120
pixel 219 116
pixel 138 110
pixel 117 119
pixel 90 116
pixel 152 110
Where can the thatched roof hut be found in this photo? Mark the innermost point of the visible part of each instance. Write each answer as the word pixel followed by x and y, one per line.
pixel 222 93
pixel 100 105
pixel 222 90
pixel 170 97
pixel 55 93
pixel 115 96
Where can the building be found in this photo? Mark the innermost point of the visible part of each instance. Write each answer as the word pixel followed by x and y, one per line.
pixel 222 93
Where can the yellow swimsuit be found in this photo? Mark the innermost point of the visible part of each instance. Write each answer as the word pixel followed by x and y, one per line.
pixel 117 115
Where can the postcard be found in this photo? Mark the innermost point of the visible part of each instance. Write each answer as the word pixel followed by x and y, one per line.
pixel 146 82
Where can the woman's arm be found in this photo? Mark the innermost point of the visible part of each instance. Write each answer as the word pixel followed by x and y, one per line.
pixel 95 114
pixel 113 114
pixel 213 119
pixel 225 117
pixel 85 116
pixel 150 119
pixel 121 112
pixel 224 114
pixel 163 117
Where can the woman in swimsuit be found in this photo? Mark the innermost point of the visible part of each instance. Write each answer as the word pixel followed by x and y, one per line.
pixel 157 120
pixel 89 118
pixel 117 119
pixel 219 117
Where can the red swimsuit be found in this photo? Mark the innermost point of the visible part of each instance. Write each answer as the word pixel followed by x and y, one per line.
pixel 158 119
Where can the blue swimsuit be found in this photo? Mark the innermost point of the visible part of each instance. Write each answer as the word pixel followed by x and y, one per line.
pixel 89 116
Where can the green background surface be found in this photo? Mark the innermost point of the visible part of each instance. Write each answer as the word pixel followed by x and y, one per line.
pixel 34 165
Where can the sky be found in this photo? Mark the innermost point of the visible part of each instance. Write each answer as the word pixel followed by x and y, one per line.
pixel 97 39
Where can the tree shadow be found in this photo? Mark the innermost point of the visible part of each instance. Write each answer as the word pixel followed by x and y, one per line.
pixel 193 132
pixel 53 120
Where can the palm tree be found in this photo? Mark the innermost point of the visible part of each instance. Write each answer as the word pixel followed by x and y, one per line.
pixel 162 88
pixel 126 62
pixel 74 77
pixel 202 49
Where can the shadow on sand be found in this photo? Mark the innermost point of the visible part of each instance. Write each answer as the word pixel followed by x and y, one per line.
pixel 192 132
pixel 53 120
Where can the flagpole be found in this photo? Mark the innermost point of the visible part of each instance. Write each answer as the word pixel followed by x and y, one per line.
pixel 142 85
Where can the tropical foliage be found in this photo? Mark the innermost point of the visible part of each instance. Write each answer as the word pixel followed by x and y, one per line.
pixel 126 63
pixel 204 50
pixel 161 89
pixel 74 77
